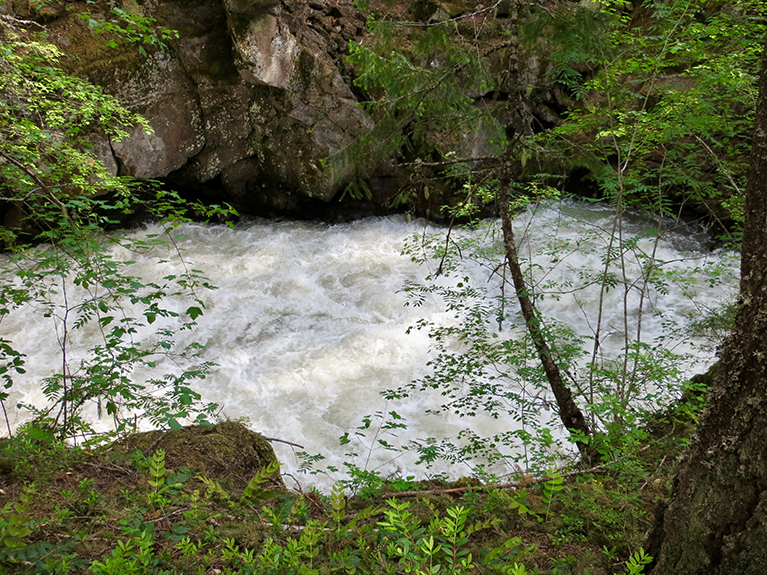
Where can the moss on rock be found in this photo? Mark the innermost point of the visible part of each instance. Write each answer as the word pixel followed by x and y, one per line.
pixel 228 452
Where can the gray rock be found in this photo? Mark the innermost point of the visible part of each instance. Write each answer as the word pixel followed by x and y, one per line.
pixel 250 90
pixel 266 50
pixel 167 97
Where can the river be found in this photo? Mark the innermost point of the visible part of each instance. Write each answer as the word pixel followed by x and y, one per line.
pixel 308 322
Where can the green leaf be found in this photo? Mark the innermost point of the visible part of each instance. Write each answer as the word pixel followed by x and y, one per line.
pixel 194 312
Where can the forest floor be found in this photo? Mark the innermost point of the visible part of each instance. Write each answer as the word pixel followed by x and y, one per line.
pixel 211 500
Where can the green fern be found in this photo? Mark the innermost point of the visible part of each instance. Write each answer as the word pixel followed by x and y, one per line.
pixel 255 492
pixel 157 469
pixel 550 488
pixel 213 487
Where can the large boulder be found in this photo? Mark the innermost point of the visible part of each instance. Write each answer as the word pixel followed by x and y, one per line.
pixel 252 96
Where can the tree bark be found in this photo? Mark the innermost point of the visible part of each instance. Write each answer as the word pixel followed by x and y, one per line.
pixel 569 412
pixel 716 519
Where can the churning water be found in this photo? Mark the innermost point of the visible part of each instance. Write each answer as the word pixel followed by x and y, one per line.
pixel 308 324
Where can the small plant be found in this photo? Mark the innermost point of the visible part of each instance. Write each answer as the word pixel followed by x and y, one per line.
pixel 156 479
pixel 504 558
pixel 603 511
pixel 87 497
pixel 136 555
pixel 16 522
pixel 384 426
pixel 161 482
pixel 520 502
pixel 550 489
pixel 212 488
pixel 254 492
pixel 440 547
pixel 337 507
pixel 133 28
pixel 637 562
pixel 16 526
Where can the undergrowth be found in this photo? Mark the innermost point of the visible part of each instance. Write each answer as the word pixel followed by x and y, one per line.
pixel 68 510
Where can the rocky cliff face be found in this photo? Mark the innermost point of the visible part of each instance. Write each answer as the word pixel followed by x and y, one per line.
pixel 248 100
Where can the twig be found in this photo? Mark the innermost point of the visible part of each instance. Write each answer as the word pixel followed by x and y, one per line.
pixel 647 481
pixel 48 192
pixel 298 488
pixel 512 485
pixel 283 441
pixel 155 442
pixel 447 244
pixel 126 470
pixel 167 516
pixel 523 483
pixel 7 422
pixel 450 162
pixel 15 23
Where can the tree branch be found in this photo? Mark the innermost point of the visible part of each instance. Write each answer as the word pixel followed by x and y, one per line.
pixel 48 192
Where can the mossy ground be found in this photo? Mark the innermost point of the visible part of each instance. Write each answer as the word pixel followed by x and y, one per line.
pixel 203 511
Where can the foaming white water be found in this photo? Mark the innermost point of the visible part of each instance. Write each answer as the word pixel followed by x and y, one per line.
pixel 308 324
pixel 665 275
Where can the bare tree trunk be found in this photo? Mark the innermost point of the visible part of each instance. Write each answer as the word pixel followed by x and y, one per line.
pixel 716 519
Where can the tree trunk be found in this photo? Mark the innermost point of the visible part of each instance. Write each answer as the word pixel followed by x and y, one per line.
pixel 569 412
pixel 716 519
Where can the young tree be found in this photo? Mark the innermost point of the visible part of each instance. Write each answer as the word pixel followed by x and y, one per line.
pixel 56 196
pixel 426 102
pixel 438 87
pixel 569 413
pixel 716 520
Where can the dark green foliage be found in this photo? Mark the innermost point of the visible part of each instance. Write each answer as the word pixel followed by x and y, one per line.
pixel 126 25
pixel 659 97
pixel 113 516
pixel 663 102
pixel 660 101
pixel 419 87
pixel 47 125
pixel 626 76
